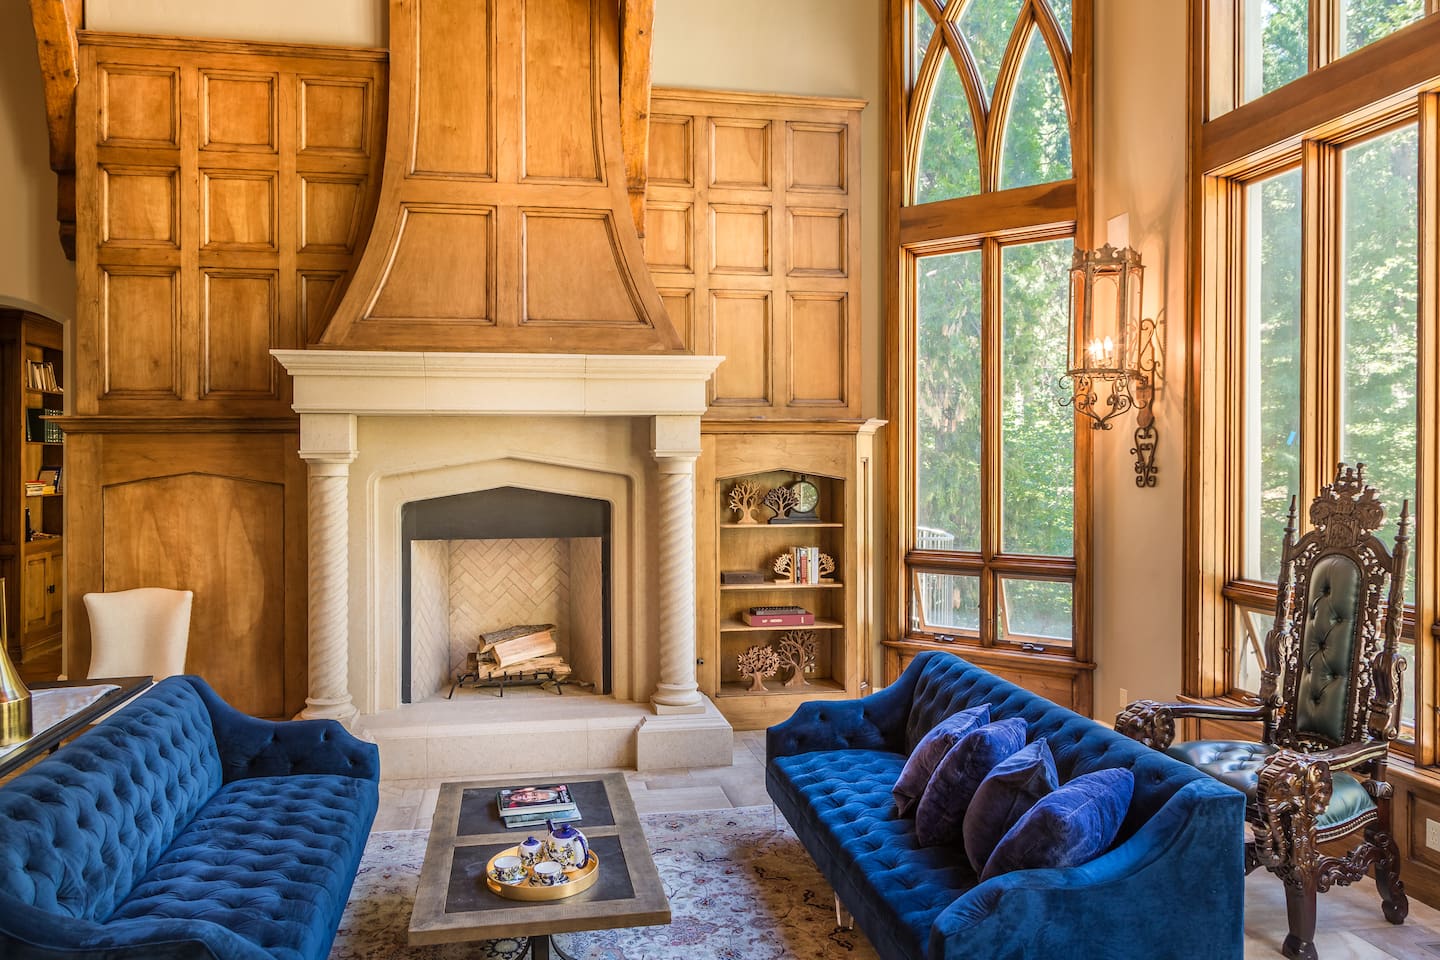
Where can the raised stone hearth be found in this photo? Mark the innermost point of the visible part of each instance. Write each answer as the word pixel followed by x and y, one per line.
pixel 382 430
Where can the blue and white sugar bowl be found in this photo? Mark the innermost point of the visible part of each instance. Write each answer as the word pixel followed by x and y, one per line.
pixel 567 846
pixel 532 851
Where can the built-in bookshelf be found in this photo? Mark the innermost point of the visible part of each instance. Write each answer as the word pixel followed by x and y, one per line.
pixel 820 569
pixel 32 480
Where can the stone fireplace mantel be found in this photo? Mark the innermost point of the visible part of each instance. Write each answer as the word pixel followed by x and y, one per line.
pixel 334 388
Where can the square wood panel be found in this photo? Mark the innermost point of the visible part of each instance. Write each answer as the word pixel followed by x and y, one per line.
pixel 141 331
pixel 139 206
pixel 680 305
pixel 668 232
pixel 329 213
pixel 819 241
pixel 672 151
pixel 739 239
pixel 313 292
pixel 335 116
pixel 817 348
pixel 238 111
pixel 817 157
pixel 740 332
pixel 238 209
pixel 239 323
pixel 139 106
pixel 740 153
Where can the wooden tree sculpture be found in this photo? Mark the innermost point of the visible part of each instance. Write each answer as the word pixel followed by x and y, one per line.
pixel 797 648
pixel 757 663
pixel 744 498
pixel 784 567
pixel 827 567
pixel 782 500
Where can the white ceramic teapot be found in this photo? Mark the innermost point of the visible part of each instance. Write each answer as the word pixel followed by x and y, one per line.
pixel 567 846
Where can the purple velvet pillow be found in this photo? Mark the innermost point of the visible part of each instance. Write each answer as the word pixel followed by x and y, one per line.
pixel 1004 796
pixel 1071 826
pixel 959 773
pixel 928 752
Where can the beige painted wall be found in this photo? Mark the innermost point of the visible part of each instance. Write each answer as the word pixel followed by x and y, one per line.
pixel 359 23
pixel 33 270
pixel 1140 143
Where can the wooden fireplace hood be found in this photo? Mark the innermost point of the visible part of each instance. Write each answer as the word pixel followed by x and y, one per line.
pixel 504 222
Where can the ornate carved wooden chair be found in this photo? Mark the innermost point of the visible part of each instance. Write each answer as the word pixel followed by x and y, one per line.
pixel 1329 705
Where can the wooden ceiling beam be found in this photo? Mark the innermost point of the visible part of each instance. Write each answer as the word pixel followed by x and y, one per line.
pixel 56 22
pixel 636 23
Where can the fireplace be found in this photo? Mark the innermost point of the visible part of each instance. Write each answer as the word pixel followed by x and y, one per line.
pixel 478 562
pixel 385 434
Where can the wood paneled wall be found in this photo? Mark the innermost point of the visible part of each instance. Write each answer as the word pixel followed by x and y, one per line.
pixel 752 233
pixel 223 189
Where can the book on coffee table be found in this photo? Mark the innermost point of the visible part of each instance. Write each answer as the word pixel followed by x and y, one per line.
pixel 542 799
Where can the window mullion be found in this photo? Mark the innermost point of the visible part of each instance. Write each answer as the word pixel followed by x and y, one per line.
pixel 1425 536
pixel 1320 316
pixel 1324 35
pixel 990 491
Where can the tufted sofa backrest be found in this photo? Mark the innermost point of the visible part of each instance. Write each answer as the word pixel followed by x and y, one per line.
pixel 1327 650
pixel 79 829
pixel 946 683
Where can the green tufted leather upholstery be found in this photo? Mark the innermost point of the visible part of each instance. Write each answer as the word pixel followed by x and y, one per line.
pixel 1327 649
pixel 1237 763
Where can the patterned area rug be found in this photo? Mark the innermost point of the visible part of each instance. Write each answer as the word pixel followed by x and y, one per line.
pixel 740 886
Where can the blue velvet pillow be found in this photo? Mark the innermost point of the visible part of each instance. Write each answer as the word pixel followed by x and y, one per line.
pixel 959 773
pixel 1071 826
pixel 928 752
pixel 1009 791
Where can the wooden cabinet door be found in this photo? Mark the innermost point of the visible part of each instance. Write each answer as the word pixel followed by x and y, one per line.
pixel 54 596
pixel 35 604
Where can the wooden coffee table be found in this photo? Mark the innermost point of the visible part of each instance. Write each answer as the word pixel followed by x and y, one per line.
pixel 453 905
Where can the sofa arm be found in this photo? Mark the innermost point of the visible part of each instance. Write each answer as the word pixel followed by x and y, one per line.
pixel 251 747
pixel 876 722
pixel 1173 889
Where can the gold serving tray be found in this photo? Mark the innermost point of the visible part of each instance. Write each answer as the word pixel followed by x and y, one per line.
pixel 581 879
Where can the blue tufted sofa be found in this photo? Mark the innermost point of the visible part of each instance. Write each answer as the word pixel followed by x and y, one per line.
pixel 180 828
pixel 1171 886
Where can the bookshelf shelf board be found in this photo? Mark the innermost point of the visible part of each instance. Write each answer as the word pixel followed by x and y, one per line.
pixel 818 686
pixel 46 543
pixel 46 443
pixel 779 526
pixel 30 496
pixel 740 626
pixel 774 585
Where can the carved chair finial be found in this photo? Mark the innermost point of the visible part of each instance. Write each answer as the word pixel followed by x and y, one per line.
pixel 1347 509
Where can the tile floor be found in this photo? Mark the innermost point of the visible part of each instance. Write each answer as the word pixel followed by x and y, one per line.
pixel 1351 926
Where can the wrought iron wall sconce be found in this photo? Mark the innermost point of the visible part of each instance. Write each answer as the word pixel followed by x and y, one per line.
pixel 1112 362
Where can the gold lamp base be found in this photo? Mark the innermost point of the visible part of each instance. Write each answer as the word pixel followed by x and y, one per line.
pixel 15 721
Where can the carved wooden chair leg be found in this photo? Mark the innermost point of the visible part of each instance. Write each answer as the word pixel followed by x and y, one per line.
pixel 1300 908
pixel 843 919
pixel 1387 877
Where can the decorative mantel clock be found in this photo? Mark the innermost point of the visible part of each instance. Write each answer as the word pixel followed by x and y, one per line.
pixel 795 503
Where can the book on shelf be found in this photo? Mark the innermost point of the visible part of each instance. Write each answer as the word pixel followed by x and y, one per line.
pixel 34 488
pixel 537 800
pixel 531 819
pixel 778 617
pixel 40 430
pixel 40 375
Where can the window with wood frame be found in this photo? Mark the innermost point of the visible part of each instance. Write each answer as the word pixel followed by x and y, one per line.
pixel 1318 169
pixel 995 139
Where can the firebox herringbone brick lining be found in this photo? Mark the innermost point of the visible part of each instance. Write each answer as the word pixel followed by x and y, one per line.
pixel 499 583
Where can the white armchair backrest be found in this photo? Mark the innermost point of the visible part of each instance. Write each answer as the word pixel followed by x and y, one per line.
pixel 141 632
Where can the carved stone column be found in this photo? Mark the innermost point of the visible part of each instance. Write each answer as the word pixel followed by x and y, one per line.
pixel 328 446
pixel 676 447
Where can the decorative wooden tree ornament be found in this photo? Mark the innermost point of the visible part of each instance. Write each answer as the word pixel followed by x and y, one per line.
pixel 757 663
pixel 797 647
pixel 782 500
pixel 744 498
pixel 784 567
pixel 827 567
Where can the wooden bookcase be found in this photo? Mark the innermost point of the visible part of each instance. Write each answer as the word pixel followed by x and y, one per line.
pixel 31 525
pixel 838 457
